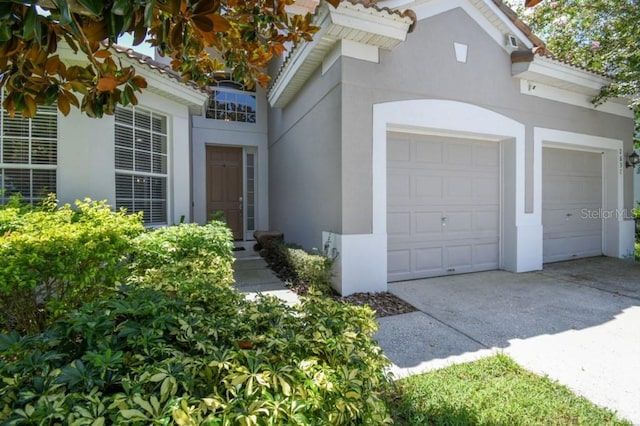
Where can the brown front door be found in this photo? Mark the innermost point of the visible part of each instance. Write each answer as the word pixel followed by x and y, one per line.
pixel 224 186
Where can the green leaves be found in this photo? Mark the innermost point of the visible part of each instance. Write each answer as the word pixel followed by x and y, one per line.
pixel 245 34
pixel 55 259
pixel 602 36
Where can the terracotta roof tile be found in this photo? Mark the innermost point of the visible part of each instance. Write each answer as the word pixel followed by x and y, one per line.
pixel 155 65
pixel 373 4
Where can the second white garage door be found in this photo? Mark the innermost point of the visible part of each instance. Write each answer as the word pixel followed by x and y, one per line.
pixel 571 204
pixel 443 206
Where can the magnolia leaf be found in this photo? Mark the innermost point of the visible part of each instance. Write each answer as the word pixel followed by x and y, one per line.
pixel 202 23
pixel 52 65
pixel 140 33
pixel 107 84
pixel 176 35
pixel 63 104
pixel 30 107
pixel 65 11
pixel 102 54
pixel 93 6
pixel 139 82
pixel 220 24
pixel 121 7
pixel 95 31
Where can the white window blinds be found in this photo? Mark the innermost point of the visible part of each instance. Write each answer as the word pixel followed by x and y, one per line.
pixel 28 154
pixel 141 158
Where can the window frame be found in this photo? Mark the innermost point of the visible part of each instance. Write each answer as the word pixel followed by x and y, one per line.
pixel 136 174
pixel 31 165
pixel 231 115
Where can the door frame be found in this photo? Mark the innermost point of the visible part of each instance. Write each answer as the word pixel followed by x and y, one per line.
pixel 602 187
pixel 617 233
pixel 236 152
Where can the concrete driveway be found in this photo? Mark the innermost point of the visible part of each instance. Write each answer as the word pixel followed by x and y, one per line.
pixel 577 322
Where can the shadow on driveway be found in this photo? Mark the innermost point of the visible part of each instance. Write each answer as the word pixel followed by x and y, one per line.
pixel 576 321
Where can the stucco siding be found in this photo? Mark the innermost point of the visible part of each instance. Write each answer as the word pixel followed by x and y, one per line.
pixel 425 67
pixel 86 156
pixel 304 162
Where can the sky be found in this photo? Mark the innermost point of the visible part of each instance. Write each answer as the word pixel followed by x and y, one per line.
pixel 144 48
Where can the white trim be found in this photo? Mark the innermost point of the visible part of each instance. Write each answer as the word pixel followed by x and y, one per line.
pixel 556 73
pixel 365 19
pixel 611 106
pixel 361 262
pixel 435 116
pixel 428 9
pixel 461 52
pixel 351 49
pixel 615 240
pixel 348 22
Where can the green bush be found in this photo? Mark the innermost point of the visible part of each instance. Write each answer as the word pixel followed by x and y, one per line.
pixel 173 244
pixel 54 259
pixel 146 357
pixel 186 260
pixel 301 268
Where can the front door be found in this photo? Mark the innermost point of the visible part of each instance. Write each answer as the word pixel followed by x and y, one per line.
pixel 224 186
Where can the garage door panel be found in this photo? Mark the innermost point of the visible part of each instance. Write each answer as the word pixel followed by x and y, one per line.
pixel 398 224
pixel 437 185
pixel 487 222
pixel 399 261
pixel 427 187
pixel 428 224
pixel 485 189
pixel 428 152
pixel 428 259
pixel 458 187
pixel 486 154
pixel 571 187
pixel 486 255
pixel 398 187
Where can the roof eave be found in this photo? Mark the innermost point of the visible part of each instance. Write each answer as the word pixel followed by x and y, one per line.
pixel 555 73
pixel 380 28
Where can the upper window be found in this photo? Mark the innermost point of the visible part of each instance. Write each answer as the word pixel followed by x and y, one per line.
pixel 141 157
pixel 28 154
pixel 230 102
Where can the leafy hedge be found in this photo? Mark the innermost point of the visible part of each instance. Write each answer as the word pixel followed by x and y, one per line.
pixel 177 344
pixel 306 271
pixel 54 259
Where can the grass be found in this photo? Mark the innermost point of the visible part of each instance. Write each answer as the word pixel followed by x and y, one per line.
pixel 637 250
pixel 492 391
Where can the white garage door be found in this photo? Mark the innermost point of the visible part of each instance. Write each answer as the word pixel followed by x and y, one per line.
pixel 571 204
pixel 443 206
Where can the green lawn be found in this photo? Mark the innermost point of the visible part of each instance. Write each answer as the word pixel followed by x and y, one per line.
pixel 492 391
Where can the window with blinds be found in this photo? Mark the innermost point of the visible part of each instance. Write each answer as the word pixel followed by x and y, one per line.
pixel 141 157
pixel 28 154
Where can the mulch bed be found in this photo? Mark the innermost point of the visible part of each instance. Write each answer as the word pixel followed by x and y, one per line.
pixel 383 303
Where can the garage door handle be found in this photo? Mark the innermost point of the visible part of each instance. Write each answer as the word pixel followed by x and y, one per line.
pixel 444 221
pixel 569 214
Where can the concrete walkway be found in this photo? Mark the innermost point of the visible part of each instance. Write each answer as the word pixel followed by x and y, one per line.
pixel 577 322
pixel 253 276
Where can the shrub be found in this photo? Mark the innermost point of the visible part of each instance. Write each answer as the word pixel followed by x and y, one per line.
pixel 186 260
pixel 54 259
pixel 302 269
pixel 173 244
pixel 146 357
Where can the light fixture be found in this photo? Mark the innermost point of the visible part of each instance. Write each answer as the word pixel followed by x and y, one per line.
pixel 633 159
